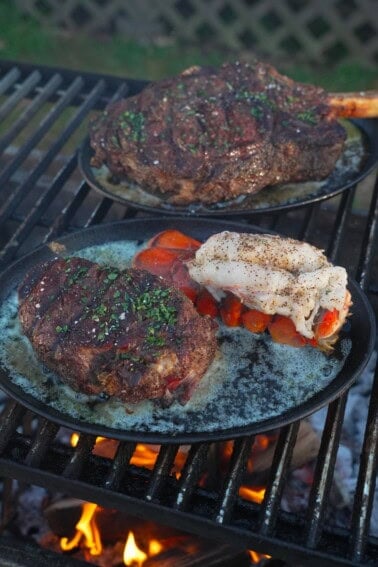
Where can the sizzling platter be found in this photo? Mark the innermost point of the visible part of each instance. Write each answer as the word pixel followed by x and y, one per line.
pixel 359 156
pixel 272 385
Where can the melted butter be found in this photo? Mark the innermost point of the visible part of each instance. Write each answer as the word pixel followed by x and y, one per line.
pixel 251 378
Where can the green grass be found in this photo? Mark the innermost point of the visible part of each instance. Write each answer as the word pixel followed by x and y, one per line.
pixel 345 77
pixel 23 39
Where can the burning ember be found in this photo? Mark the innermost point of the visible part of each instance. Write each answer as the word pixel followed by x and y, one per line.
pixel 133 555
pixel 86 529
pixel 92 538
pixel 111 538
pixel 97 540
pixel 255 495
pixel 88 540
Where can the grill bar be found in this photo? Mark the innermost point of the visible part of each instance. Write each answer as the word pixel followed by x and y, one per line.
pixel 37 455
pixel 308 221
pixel 282 456
pixel 162 469
pixel 10 250
pixel 64 218
pixel 340 224
pixel 16 196
pixel 324 470
pixel 363 500
pixel 10 418
pixel 98 213
pixel 191 473
pixel 30 111
pixel 90 486
pixel 238 464
pixel 11 77
pixel 79 458
pixel 33 140
pixel 45 436
pixel 368 244
pixel 120 462
pixel 290 547
pixel 22 91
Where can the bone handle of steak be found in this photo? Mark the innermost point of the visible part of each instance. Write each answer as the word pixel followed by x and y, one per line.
pixel 354 105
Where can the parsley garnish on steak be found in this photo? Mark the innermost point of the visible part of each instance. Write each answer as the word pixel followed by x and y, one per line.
pixel 116 333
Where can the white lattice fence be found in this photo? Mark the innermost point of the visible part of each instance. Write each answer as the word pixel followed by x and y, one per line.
pixel 314 30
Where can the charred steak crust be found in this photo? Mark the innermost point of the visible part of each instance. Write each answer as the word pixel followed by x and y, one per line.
pixel 211 135
pixel 124 334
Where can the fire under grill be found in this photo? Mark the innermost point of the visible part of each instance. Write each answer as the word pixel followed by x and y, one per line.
pixel 44 114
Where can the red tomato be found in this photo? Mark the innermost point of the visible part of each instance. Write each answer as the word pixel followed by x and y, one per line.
pixel 231 310
pixel 326 324
pixel 206 304
pixel 157 261
pixel 255 321
pixel 174 239
pixel 179 277
pixel 282 330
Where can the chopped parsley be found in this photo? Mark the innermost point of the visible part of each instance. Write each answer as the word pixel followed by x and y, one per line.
pixel 153 338
pixel 307 116
pixel 257 112
pixel 61 328
pixel 134 122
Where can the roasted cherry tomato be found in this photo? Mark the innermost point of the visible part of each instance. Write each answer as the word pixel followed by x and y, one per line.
pixel 179 277
pixel 326 324
pixel 231 310
pixel 282 330
pixel 174 239
pixel 206 304
pixel 157 261
pixel 255 321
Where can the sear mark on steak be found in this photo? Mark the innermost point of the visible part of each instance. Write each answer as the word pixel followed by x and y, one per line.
pixel 211 135
pixel 122 334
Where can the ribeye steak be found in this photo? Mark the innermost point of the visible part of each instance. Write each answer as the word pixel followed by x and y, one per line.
pixel 116 333
pixel 211 135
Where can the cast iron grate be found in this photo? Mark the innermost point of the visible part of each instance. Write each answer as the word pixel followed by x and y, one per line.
pixel 44 115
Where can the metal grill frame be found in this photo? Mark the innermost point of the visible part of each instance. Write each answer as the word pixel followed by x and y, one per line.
pixel 36 457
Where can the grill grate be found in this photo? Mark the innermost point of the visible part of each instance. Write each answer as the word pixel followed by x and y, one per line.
pixel 42 195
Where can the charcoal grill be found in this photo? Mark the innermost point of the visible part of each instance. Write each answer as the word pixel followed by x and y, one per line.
pixel 44 113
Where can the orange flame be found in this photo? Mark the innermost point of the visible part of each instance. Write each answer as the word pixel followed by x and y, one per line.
pixel 132 555
pixel 144 456
pixel 256 557
pixel 254 494
pixel 87 533
pixel 154 547
pixel 74 439
pixel 85 528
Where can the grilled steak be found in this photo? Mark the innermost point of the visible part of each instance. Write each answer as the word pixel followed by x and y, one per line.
pixel 115 333
pixel 211 135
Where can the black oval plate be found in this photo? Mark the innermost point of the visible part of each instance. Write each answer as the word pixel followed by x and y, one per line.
pixel 359 332
pixel 268 200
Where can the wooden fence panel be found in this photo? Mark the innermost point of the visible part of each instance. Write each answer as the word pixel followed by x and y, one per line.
pixel 321 31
